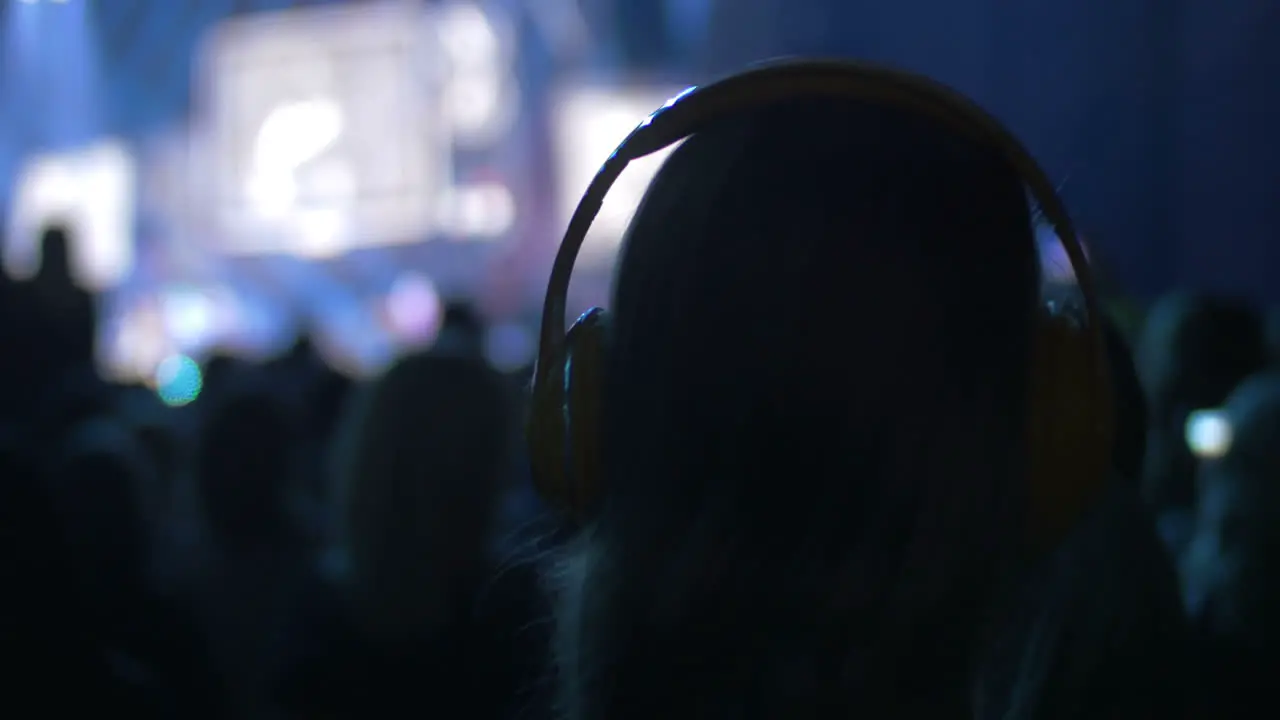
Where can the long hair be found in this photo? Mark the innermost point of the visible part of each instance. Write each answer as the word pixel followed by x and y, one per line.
pixel 1098 630
pixel 814 431
pixel 418 469
pixel 1131 406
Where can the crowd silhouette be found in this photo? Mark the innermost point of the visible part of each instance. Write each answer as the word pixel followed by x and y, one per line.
pixel 816 496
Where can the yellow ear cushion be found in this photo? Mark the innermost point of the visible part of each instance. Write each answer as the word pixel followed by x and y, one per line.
pixel 564 419
pixel 545 433
pixel 586 378
pixel 1069 431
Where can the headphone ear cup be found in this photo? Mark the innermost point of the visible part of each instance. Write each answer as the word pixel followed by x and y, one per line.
pixel 563 428
pixel 586 358
pixel 1070 445
pixel 546 435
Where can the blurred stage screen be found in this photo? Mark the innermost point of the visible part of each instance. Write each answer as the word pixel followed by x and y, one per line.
pixel 345 170
pixel 322 131
pixel 318 188
pixel 590 121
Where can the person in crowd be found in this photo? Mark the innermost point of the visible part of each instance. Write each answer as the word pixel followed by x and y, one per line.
pixel 462 330
pixel 317 394
pixel 97 475
pixel 48 641
pixel 253 564
pixel 245 465
pixel 815 402
pixel 1193 350
pixel 150 640
pixel 1232 572
pixel 324 401
pixel 54 323
pixel 69 311
pixel 418 620
pixel 166 499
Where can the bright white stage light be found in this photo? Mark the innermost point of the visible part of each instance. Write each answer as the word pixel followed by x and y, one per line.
pixel 296 133
pixel 323 134
pixel 1209 434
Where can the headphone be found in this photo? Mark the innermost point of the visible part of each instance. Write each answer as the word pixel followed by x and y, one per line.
pixel 1070 429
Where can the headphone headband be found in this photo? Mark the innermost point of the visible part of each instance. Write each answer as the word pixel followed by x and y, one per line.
pixel 699 107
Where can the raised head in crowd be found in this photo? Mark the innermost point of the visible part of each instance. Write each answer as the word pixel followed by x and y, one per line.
pixel 1233 563
pixel 68 308
pixel 54 323
pixel 816 393
pixel 462 330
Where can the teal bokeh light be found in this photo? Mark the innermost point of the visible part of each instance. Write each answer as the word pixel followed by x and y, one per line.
pixel 179 380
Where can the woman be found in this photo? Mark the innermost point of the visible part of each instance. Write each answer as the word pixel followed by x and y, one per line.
pixel 816 397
